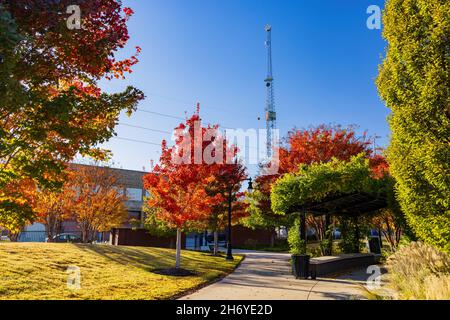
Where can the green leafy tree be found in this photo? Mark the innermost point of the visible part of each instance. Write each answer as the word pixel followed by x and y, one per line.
pixel 315 182
pixel 414 82
pixel 260 212
pixel 318 181
pixel 353 229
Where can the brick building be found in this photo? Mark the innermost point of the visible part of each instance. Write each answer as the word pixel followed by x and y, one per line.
pixel 132 232
pixel 132 186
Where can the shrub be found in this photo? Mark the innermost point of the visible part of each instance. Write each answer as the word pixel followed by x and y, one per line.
pixel 296 245
pixel 419 271
pixel 350 227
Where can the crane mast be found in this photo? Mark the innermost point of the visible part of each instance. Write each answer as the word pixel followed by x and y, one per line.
pixel 271 116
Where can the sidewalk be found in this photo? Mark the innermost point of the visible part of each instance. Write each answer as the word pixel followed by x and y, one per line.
pixel 267 276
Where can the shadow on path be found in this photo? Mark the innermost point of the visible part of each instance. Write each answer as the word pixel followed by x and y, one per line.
pixel 267 276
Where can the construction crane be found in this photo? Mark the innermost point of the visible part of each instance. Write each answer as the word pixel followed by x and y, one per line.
pixel 271 116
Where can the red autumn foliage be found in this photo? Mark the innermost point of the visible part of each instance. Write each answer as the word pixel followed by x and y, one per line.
pixel 86 51
pixel 187 186
pixel 319 144
pixel 379 165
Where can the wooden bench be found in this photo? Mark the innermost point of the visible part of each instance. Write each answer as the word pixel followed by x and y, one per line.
pixel 327 265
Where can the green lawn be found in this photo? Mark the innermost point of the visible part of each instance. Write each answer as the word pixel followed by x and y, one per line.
pixel 38 271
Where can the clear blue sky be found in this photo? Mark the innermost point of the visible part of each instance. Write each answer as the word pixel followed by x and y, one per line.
pixel 210 51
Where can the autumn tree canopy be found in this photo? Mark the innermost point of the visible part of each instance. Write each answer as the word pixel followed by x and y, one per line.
pixel 52 207
pixel 99 203
pixel 92 196
pixel 51 107
pixel 227 183
pixel 189 185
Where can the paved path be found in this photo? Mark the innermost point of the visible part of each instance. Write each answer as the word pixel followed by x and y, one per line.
pixel 267 276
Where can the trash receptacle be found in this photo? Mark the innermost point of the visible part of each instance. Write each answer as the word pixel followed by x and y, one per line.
pixel 300 266
pixel 374 245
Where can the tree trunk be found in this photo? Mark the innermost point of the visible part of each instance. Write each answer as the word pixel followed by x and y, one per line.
pixel 14 236
pixel 178 254
pixel 52 227
pixel 85 233
pixel 49 233
pixel 216 243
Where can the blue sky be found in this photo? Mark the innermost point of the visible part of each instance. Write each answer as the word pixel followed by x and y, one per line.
pixel 210 51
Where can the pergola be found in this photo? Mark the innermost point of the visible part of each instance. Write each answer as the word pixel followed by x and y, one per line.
pixel 352 204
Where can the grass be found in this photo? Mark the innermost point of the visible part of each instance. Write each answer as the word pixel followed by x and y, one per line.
pixel 38 271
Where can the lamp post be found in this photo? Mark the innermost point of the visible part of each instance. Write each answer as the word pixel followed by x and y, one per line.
pixel 230 203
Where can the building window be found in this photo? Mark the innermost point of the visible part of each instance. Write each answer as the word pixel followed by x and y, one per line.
pixel 134 194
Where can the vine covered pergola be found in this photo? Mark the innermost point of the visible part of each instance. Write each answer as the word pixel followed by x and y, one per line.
pixel 334 188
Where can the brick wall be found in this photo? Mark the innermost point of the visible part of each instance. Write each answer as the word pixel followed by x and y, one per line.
pixel 245 236
pixel 141 238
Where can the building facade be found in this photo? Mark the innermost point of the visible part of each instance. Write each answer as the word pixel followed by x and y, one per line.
pixel 132 232
pixel 131 184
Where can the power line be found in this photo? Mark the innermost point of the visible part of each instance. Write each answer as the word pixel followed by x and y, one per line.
pixel 159 144
pixel 194 102
pixel 161 114
pixel 170 116
pixel 138 141
pixel 155 130
pixel 144 128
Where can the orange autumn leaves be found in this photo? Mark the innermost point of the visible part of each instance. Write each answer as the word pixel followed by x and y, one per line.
pixel 92 197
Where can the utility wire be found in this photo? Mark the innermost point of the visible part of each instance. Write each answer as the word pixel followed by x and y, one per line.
pixel 138 141
pixel 174 117
pixel 158 131
pixel 161 114
pixel 144 128
pixel 194 102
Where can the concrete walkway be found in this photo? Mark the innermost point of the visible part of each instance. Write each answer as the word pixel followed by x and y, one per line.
pixel 267 276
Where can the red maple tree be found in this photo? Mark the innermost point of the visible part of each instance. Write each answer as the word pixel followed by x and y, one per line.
pixel 192 179
pixel 321 144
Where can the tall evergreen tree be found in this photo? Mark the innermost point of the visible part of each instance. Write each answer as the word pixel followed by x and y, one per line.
pixel 414 82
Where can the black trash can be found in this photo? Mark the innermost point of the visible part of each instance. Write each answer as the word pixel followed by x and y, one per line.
pixel 300 266
pixel 374 245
